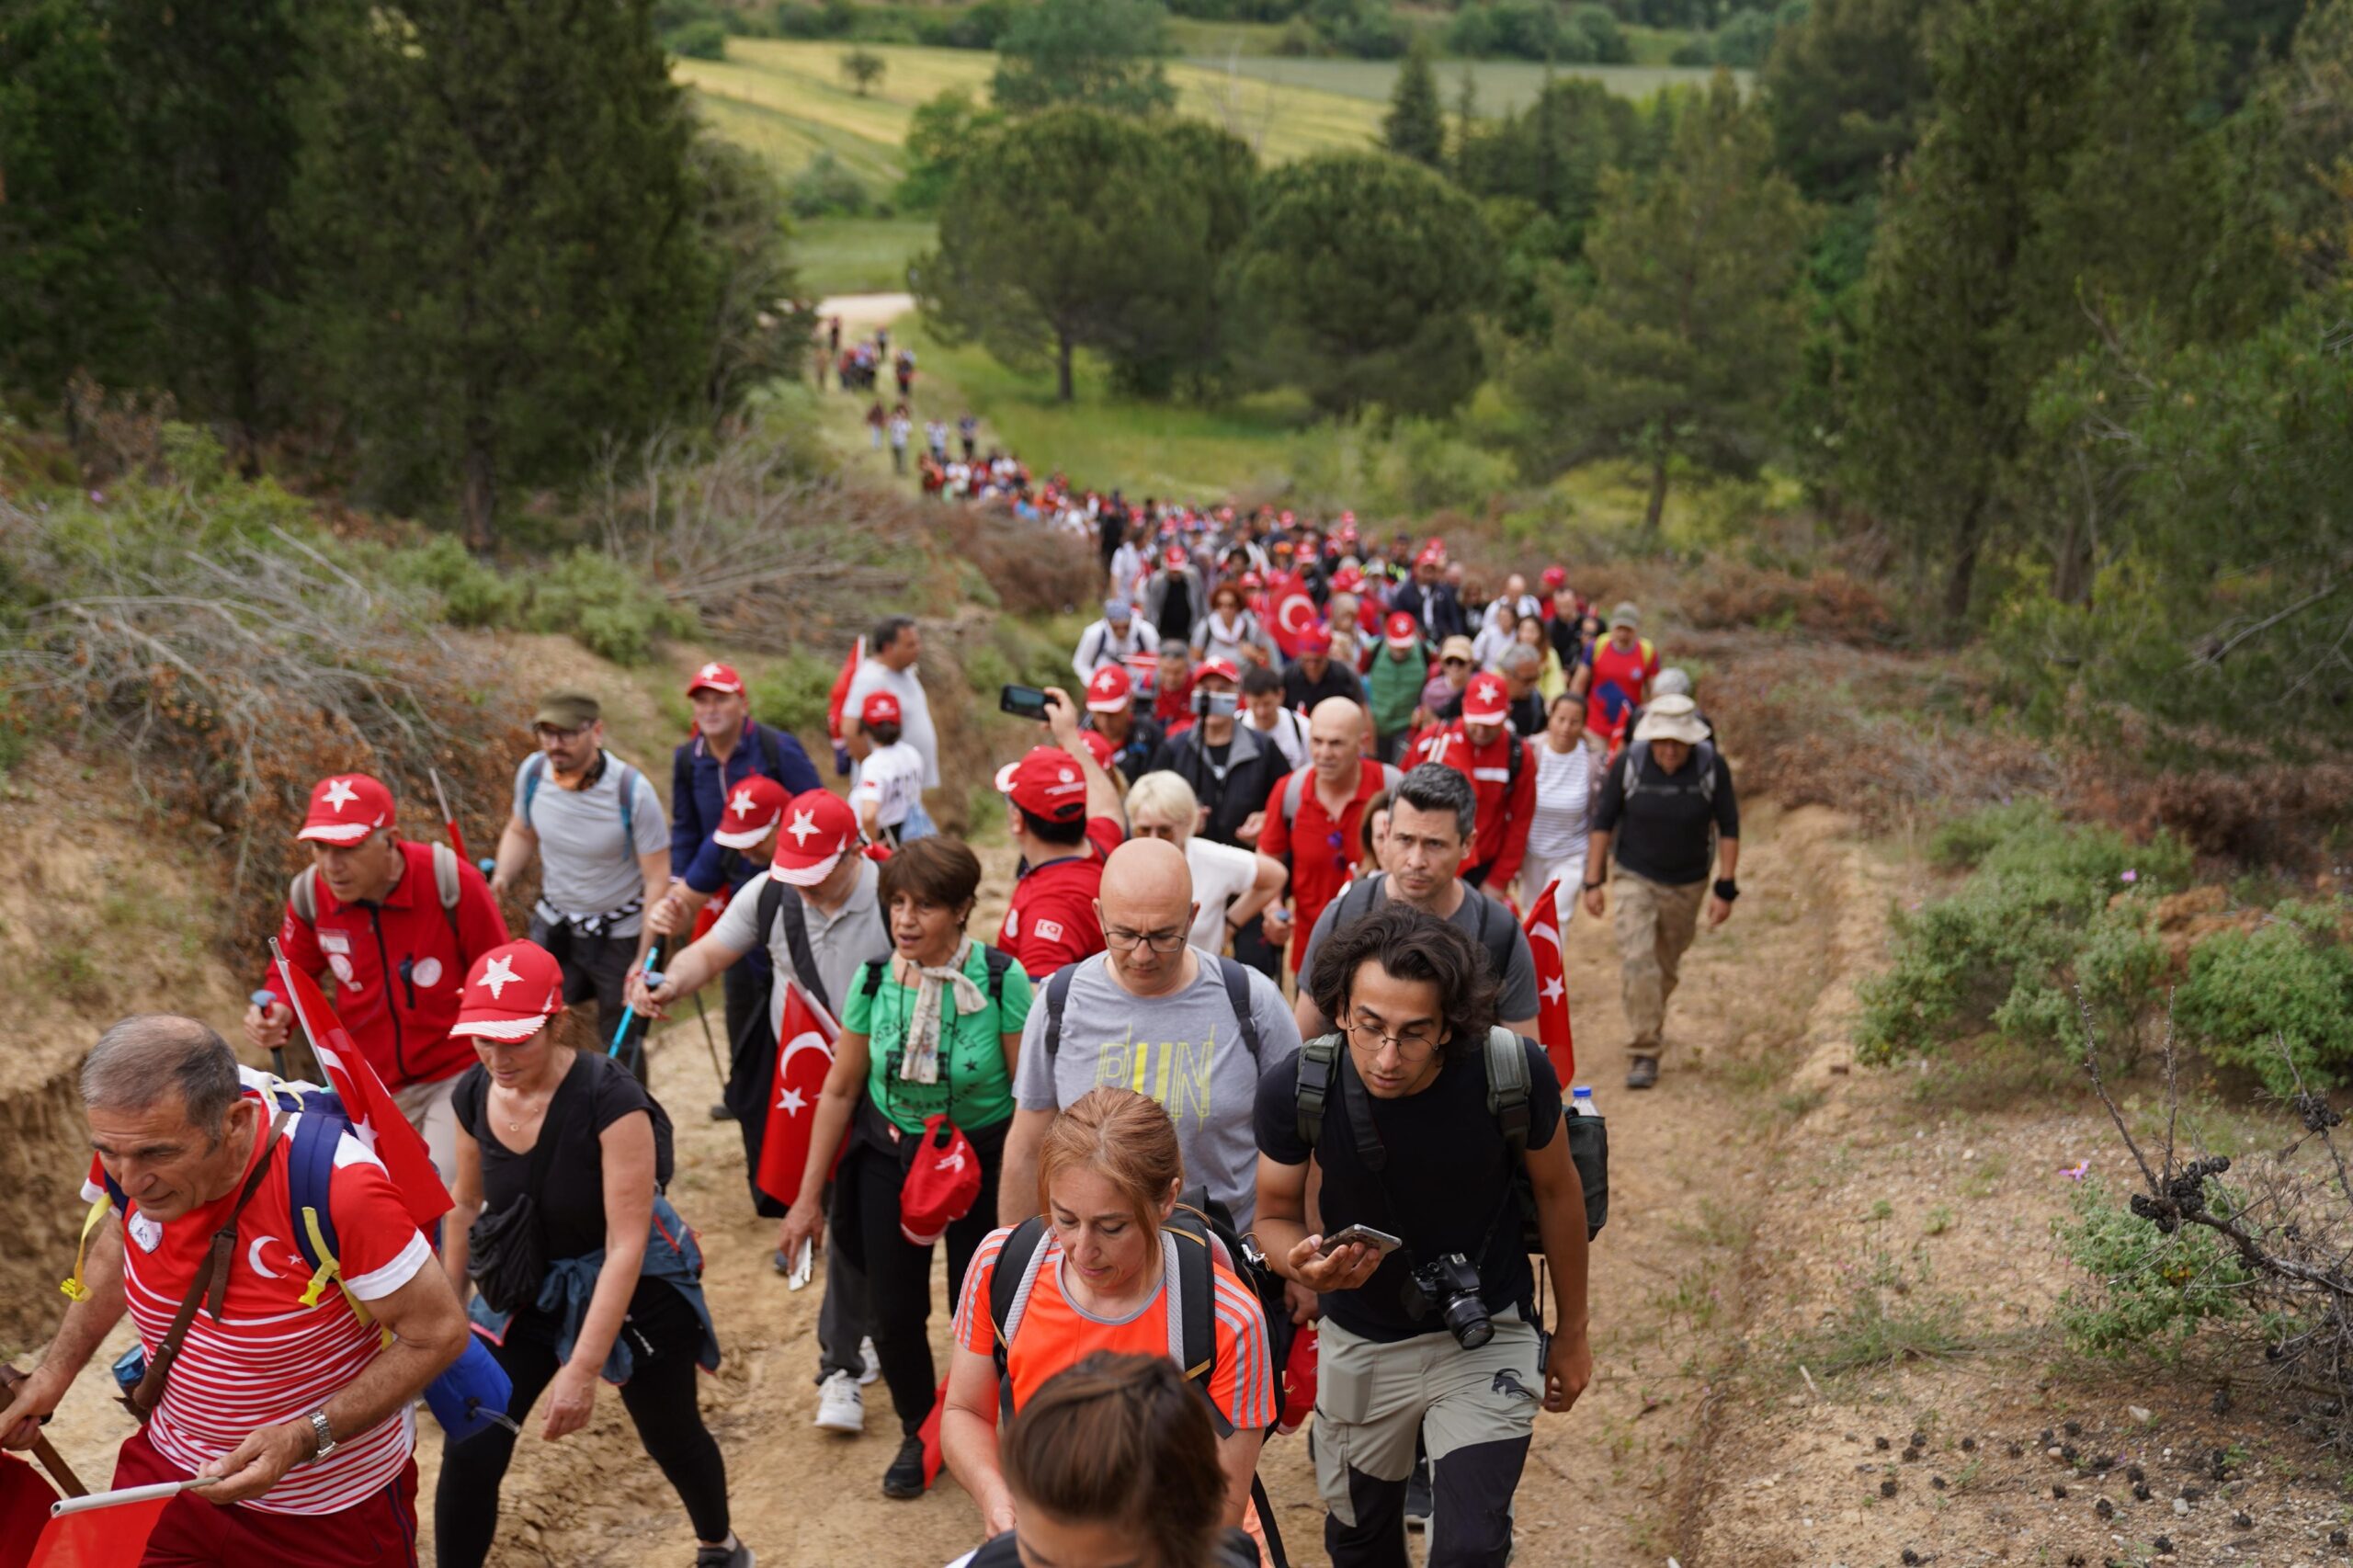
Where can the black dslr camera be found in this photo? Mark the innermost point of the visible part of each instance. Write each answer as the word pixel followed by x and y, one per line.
pixel 1450 1286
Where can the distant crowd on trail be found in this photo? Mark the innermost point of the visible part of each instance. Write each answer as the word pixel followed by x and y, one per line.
pixel 1258 1107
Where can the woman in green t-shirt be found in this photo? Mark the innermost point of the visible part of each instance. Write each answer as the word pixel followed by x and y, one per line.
pixel 933 1031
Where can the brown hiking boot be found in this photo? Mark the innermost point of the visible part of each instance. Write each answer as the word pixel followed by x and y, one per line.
pixel 1642 1072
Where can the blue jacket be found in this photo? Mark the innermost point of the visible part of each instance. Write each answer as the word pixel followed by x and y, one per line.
pixel 698 790
pixel 672 1254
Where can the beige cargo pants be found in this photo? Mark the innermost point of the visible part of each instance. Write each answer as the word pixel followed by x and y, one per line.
pixel 1655 922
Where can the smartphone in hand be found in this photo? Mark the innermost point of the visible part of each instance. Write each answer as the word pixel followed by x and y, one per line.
pixel 1380 1242
pixel 1023 702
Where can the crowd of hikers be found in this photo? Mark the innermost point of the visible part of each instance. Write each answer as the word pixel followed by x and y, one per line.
pixel 1253 1112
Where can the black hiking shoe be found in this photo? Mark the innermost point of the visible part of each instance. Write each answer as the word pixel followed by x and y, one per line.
pixel 1417 1495
pixel 903 1479
pixel 721 1113
pixel 1642 1072
pixel 735 1556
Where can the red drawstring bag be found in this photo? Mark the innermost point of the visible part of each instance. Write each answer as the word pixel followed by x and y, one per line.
pixel 942 1183
pixel 1296 1380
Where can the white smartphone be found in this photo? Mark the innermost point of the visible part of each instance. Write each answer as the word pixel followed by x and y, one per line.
pixel 1380 1242
pixel 803 1266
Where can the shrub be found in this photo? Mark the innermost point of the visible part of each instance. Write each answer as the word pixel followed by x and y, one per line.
pixel 2150 1290
pixel 2287 985
pixel 1397 466
pixel 2037 924
pixel 610 611
pixel 793 693
pixel 699 40
pixel 470 593
pixel 828 188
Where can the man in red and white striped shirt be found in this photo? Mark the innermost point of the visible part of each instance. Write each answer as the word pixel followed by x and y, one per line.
pixel 301 1412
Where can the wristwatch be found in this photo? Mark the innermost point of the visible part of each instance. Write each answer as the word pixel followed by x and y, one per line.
pixel 319 1429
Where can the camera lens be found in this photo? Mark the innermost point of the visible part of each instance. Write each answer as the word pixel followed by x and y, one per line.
pixel 1466 1316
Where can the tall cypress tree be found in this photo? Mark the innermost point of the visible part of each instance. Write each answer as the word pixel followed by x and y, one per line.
pixel 1416 127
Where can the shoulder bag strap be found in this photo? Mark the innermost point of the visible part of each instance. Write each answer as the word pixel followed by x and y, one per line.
pixel 1057 994
pixel 209 1288
pixel 778 902
pixel 1237 992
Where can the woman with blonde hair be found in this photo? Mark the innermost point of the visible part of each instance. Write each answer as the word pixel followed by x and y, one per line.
pixel 1230 885
pixel 1100 1269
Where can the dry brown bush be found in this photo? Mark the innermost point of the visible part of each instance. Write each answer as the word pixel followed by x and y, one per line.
pixel 1034 569
pixel 2258 812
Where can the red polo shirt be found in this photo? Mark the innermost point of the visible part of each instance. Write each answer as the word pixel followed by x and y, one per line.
pixel 1051 920
pixel 1320 849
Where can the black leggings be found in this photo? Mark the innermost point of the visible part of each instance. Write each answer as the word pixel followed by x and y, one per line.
pixel 898 1273
pixel 665 1333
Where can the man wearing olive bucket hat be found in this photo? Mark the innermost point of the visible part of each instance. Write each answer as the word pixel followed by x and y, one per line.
pixel 1667 806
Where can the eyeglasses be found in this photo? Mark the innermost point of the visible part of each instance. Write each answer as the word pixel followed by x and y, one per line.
pixel 1454 661
pixel 1414 1045
pixel 550 732
pixel 1158 941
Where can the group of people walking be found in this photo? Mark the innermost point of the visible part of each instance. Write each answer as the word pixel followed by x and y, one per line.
pixel 1245 1081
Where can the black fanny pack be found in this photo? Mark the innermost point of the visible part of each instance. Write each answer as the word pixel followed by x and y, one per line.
pixel 506 1249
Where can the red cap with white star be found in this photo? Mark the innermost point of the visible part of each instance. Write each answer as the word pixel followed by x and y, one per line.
pixel 511 992
pixel 1047 783
pixel 716 677
pixel 754 808
pixel 347 807
pixel 819 829
pixel 1487 702
pixel 1108 690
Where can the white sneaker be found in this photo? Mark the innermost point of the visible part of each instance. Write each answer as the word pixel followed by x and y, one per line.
pixel 873 1362
pixel 840 1407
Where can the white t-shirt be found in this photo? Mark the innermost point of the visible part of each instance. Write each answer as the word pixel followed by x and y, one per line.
pixel 891 777
pixel 914 711
pixel 1221 873
pixel 1289 735
pixel 1563 790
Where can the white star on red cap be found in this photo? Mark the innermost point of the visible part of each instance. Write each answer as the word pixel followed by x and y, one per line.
pixel 340 793
pixel 709 672
pixel 498 974
pixel 741 804
pixel 803 824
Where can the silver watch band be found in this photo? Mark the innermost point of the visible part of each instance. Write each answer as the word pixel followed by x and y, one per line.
pixel 325 1433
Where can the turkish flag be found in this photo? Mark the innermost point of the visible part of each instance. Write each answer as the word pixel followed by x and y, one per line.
pixel 24 1498
pixel 804 1057
pixel 1294 614
pixel 1143 674
pixel 840 694
pixel 374 1116
pixel 96 1538
pixel 1553 1031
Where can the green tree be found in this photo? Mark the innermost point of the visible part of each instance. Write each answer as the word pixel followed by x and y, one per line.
pixel 943 129
pixel 1690 335
pixel 1554 153
pixel 864 68
pixel 1363 275
pixel 1416 127
pixel 1077 229
pixel 1846 89
pixel 501 226
pixel 69 300
pixel 1105 54
pixel 2067 175
pixel 756 330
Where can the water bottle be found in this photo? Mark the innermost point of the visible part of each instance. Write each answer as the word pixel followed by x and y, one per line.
pixel 1581 1101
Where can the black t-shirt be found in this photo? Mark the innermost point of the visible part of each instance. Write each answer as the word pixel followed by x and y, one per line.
pixel 596 1093
pixel 1663 835
pixel 1302 693
pixel 1447 1179
pixel 1527 714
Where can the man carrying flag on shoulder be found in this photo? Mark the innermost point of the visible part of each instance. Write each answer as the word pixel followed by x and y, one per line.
pixel 294 1406
pixel 390 927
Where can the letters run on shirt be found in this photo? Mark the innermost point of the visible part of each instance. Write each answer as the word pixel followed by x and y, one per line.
pixel 1175 1073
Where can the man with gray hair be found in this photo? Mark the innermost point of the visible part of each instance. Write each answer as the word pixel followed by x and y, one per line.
pixel 288 1406
pixel 1113 639
pixel 1522 667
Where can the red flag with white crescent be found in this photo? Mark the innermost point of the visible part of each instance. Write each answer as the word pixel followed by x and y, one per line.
pixel 111 1536
pixel 1294 614
pixel 840 694
pixel 805 1055
pixel 1553 1031
pixel 375 1116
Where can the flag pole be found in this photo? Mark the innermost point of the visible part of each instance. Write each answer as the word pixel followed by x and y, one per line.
pixel 449 820
pixel 50 1459
pixel 116 1499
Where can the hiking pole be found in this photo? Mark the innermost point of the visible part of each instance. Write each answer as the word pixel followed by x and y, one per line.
pixel 50 1459
pixel 266 1000
pixel 628 1013
pixel 449 820
pixel 711 1043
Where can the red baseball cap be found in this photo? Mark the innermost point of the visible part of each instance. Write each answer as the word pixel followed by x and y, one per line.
pixel 1316 639
pixel 754 807
pixel 347 807
pixel 1346 580
pixel 1221 669
pixel 511 992
pixel 716 677
pixel 1486 701
pixel 1100 745
pixel 1252 580
pixel 1556 576
pixel 880 707
pixel 819 829
pixel 1404 631
pixel 1175 556
pixel 1046 783
pixel 1108 690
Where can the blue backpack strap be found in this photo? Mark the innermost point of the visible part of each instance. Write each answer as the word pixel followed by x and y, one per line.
pixel 310 1172
pixel 532 772
pixel 629 808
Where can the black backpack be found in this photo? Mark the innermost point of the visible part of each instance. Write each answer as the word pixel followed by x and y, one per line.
pixel 1196 1222
pixel 1508 1085
pixel 1494 932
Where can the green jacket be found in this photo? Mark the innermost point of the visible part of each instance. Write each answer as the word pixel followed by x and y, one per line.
pixel 1394 687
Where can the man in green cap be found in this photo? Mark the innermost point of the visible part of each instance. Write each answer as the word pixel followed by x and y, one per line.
pixel 604 845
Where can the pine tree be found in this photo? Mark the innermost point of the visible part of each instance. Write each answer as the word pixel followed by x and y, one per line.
pixel 1691 331
pixel 1415 128
pixel 500 227
pixel 1466 120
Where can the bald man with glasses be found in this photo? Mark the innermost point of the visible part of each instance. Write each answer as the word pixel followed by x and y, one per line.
pixel 1152 1014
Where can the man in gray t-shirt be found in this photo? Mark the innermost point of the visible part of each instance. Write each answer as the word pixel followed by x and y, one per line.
pixel 1151 1014
pixel 601 861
